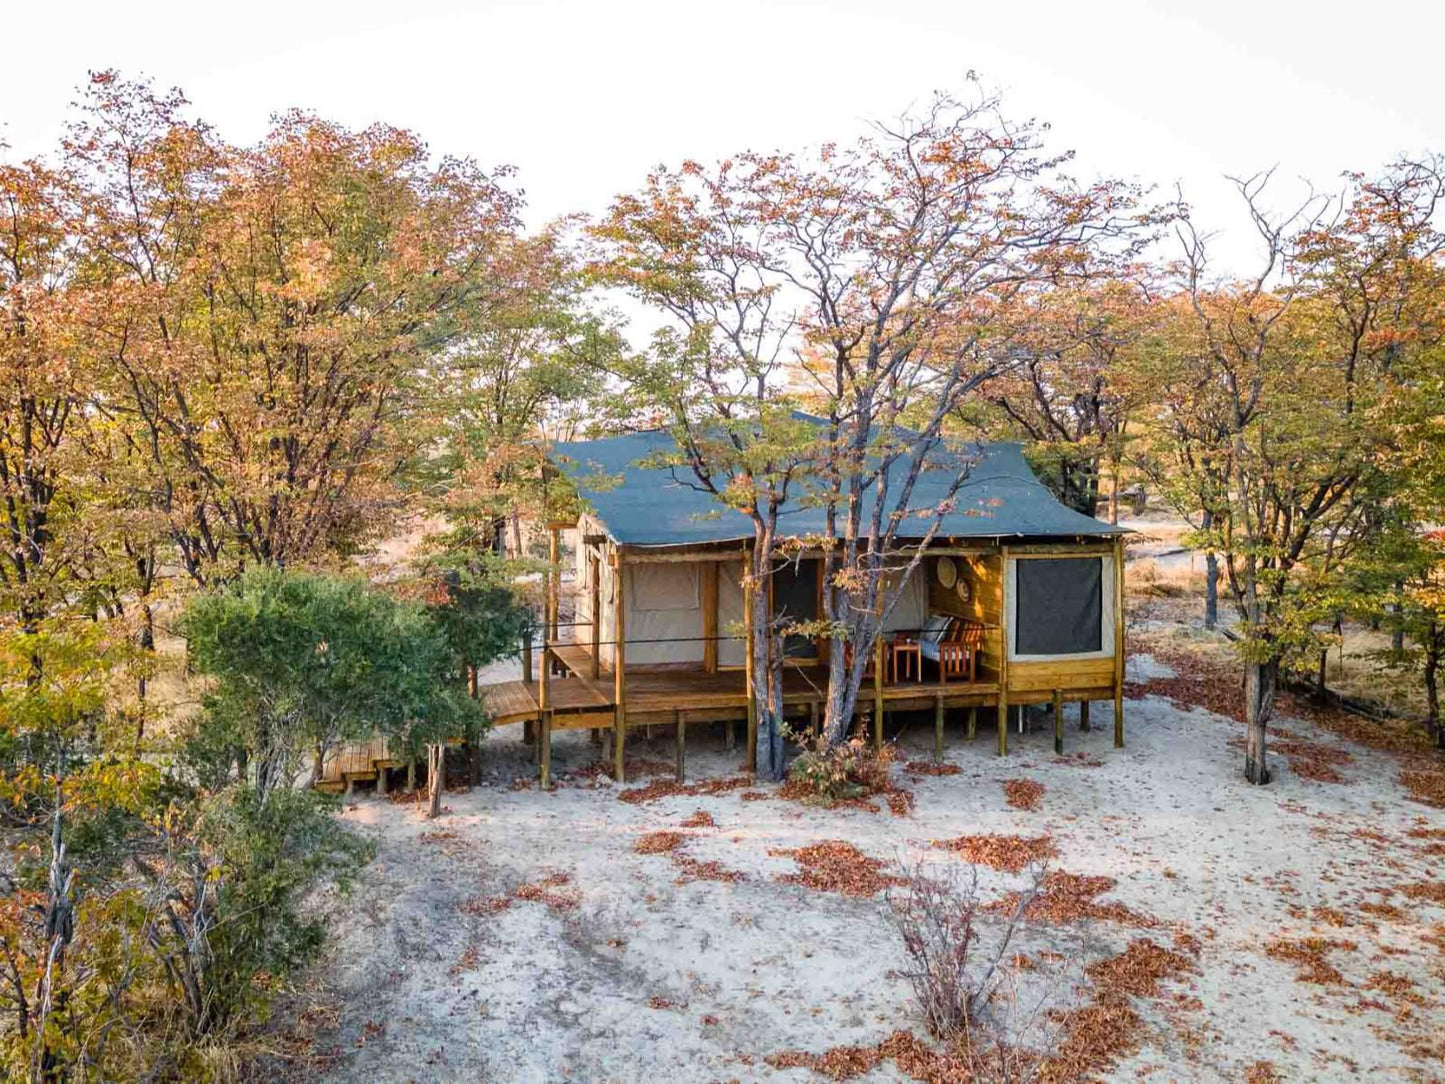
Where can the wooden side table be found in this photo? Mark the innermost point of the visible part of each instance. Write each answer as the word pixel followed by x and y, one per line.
pixel 899 656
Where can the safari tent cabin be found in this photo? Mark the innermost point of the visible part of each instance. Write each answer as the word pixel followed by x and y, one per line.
pixel 1017 600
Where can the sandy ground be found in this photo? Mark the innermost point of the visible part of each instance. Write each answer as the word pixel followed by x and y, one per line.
pixel 433 983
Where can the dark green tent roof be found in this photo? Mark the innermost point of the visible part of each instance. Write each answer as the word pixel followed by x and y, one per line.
pixel 663 506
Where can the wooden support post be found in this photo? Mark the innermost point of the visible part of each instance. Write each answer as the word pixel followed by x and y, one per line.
pixel 381 781
pixel 730 738
pixel 1058 723
pixel 681 728
pixel 709 616
pixel 544 759
pixel 972 723
pixel 1119 644
pixel 411 775
pixel 619 672
pixel 527 656
pixel 878 694
pixel 938 729
pixel 1005 638
pixel 350 786
pixel 596 567
pixel 1083 715
pixel 554 583
pixel 749 675
pixel 544 702
pixel 813 720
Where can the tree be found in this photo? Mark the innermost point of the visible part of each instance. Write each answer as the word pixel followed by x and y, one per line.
pixel 44 380
pixel 271 313
pixel 1068 395
pixel 301 661
pixel 1276 414
pixel 867 283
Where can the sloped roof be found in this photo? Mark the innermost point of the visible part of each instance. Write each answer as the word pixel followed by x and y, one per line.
pixel 663 506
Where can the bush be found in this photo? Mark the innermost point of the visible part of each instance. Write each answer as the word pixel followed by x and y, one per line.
pixel 961 987
pixel 838 773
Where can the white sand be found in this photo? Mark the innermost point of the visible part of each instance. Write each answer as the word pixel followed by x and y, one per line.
pixel 565 995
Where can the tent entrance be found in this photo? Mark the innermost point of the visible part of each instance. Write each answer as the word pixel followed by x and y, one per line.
pixel 795 598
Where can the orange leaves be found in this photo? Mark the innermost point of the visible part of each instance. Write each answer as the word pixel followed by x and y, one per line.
pixel 836 866
pixel 1008 853
pixel 1026 794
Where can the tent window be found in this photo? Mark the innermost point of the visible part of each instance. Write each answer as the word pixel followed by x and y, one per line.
pixel 1060 608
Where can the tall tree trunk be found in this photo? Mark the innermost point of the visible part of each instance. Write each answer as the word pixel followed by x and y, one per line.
pixel 767 652
pixel 1211 579
pixel 1397 633
pixel 435 769
pixel 1261 679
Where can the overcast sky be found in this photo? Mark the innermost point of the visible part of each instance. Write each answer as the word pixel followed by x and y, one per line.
pixel 583 97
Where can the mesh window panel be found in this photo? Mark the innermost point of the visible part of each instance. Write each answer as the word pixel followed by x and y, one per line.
pixel 1060 606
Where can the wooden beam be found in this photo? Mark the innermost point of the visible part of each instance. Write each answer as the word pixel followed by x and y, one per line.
pixel 972 723
pixel 544 759
pixel 1058 723
pixel 938 729
pixel 1119 644
pixel 749 677
pixel 878 693
pixel 681 726
pixel 595 567
pixel 1083 715
pixel 619 670
pixel 554 582
pixel 527 656
pixel 1003 640
pixel 709 616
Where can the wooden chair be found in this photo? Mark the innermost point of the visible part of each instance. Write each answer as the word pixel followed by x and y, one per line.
pixel 958 653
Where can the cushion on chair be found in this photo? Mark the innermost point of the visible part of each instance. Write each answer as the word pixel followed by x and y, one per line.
pixel 933 631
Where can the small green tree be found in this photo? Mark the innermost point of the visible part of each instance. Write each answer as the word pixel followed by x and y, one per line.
pixel 300 661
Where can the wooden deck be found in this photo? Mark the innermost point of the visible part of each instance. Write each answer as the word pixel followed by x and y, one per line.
pixel 578 701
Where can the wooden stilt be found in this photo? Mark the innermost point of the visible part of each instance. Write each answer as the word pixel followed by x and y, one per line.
pixel 350 786
pixel 813 719
pixel 381 781
pixel 938 729
pixel 527 657
pixel 619 672
pixel 749 676
pixel 878 694
pixel 681 728
pixel 596 601
pixel 730 738
pixel 1083 715
pixel 1003 723
pixel 1058 723
pixel 972 723
pixel 1119 645
pixel 544 758
pixel 411 776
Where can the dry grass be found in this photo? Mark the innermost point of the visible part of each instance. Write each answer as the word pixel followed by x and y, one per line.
pixel 1008 853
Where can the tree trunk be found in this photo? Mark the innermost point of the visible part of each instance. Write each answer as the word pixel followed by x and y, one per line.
pixel 1397 633
pixel 1260 682
pixel 435 768
pixel 1211 580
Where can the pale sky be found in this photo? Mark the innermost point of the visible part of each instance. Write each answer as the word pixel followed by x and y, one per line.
pixel 583 97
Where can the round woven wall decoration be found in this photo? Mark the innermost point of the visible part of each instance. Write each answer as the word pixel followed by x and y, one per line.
pixel 965 592
pixel 947 571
